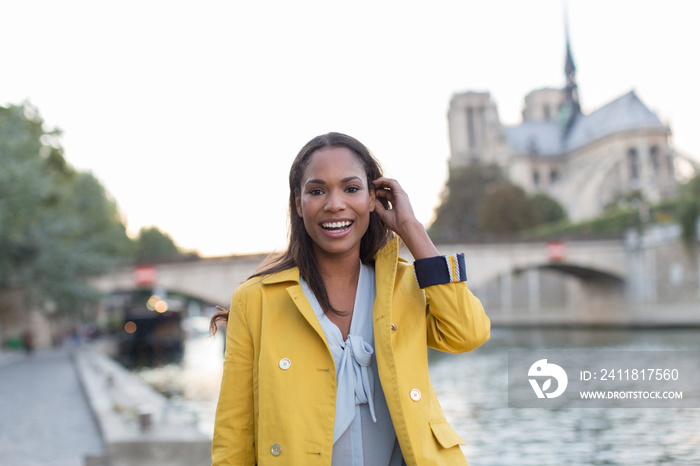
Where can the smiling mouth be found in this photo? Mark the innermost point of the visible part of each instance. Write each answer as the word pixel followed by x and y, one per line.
pixel 336 226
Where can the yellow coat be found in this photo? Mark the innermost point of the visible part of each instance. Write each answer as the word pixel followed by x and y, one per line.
pixel 277 400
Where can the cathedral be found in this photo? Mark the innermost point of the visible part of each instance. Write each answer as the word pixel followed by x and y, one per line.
pixel 587 162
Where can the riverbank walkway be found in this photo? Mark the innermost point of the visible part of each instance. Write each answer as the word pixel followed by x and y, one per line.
pixel 45 418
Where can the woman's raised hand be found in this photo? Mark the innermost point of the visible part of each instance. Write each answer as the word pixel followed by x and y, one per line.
pixel 400 214
pixel 399 217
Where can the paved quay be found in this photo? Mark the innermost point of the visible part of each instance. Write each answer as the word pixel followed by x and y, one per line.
pixel 45 418
pixel 139 426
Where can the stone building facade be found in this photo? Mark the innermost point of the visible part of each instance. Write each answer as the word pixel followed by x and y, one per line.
pixel 587 162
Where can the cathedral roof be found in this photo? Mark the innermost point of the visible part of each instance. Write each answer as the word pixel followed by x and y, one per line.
pixel 624 113
pixel 535 137
pixel 547 138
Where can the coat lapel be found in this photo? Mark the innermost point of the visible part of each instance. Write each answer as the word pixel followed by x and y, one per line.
pixel 302 304
pixel 298 297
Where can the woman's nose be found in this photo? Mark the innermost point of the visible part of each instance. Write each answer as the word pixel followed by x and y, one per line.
pixel 334 203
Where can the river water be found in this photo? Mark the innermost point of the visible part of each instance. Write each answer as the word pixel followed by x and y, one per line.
pixel 473 391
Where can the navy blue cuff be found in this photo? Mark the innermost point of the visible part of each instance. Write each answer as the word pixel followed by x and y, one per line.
pixel 440 269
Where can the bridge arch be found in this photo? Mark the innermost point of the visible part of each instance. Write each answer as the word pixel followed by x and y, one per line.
pixel 590 275
pixel 211 280
pixel 551 292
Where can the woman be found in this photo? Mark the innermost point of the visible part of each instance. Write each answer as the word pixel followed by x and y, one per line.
pixel 326 358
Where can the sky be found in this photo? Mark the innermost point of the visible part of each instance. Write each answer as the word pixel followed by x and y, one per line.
pixel 190 113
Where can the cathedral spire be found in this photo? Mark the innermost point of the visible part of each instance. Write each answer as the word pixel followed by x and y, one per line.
pixel 571 107
pixel 569 67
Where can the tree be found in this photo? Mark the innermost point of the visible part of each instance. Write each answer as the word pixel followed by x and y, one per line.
pixel 58 227
pixel 457 216
pixel 153 244
pixel 689 210
pixel 507 209
pixel 548 209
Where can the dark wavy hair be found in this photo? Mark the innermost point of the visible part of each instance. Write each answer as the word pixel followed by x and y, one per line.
pixel 299 252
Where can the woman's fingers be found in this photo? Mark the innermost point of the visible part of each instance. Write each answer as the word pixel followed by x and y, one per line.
pixel 395 210
pixel 400 217
pixel 389 189
pixel 385 196
pixel 386 184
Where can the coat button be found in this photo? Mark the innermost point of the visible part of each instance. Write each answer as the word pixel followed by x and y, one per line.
pixel 393 327
pixel 415 394
pixel 276 449
pixel 284 365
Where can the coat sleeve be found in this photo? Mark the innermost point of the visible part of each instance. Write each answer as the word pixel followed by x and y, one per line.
pixel 456 321
pixel 234 428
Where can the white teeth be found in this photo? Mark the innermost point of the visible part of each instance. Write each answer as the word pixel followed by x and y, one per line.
pixel 334 225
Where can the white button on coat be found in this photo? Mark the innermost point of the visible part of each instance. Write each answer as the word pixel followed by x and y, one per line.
pixel 393 327
pixel 415 394
pixel 284 365
pixel 276 449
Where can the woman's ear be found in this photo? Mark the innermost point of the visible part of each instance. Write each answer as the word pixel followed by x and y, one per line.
pixel 372 199
pixel 297 202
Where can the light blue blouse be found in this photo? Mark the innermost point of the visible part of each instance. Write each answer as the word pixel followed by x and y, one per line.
pixel 363 432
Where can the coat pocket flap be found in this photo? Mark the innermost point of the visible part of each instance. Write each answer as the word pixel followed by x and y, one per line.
pixel 445 434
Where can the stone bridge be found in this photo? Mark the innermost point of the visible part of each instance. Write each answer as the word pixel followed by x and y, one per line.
pixel 587 260
pixel 213 280
pixel 606 281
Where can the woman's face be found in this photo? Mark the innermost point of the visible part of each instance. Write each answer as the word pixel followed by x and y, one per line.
pixel 335 201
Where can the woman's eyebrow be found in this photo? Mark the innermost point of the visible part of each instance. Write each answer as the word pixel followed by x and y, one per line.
pixel 314 181
pixel 344 180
